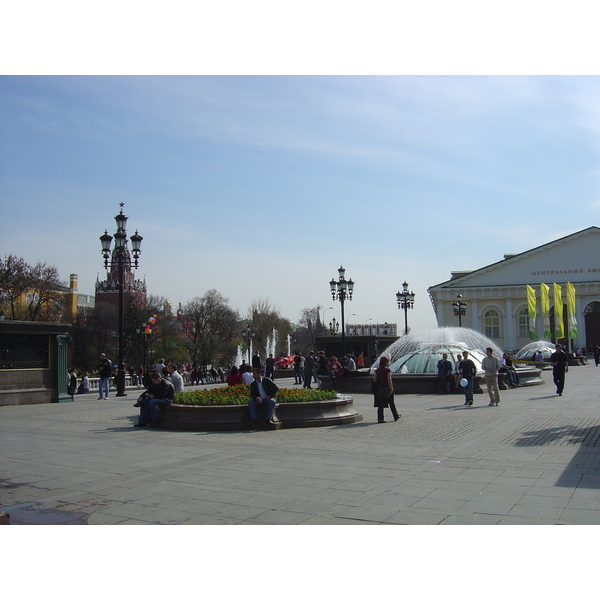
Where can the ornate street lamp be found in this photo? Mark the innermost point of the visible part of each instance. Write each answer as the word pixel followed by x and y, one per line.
pixel 342 290
pixel 405 300
pixel 459 309
pixel 334 326
pixel 120 258
pixel 248 335
pixel 323 319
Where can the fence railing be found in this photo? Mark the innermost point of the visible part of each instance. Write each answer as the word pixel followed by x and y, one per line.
pixel 136 382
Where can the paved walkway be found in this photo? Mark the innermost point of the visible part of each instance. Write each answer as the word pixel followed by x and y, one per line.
pixel 532 460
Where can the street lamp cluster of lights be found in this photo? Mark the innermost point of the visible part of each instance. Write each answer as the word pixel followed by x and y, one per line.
pixel 121 257
pixel 459 309
pixel 342 290
pixel 405 300
pixel 249 334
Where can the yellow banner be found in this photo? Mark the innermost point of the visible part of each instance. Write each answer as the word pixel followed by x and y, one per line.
pixel 559 328
pixel 545 300
pixel 532 311
pixel 571 309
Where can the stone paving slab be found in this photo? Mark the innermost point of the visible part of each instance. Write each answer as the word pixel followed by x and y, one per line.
pixel 535 459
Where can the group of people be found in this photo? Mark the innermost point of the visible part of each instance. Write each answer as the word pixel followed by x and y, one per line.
pixel 314 367
pixel 164 380
pixel 463 372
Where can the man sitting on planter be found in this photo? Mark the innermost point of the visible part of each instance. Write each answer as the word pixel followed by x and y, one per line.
pixel 160 392
pixel 262 391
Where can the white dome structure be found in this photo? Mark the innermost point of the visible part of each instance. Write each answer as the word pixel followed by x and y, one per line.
pixel 419 352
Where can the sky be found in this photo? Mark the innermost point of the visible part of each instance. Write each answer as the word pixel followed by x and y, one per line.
pixel 261 178
pixel 262 186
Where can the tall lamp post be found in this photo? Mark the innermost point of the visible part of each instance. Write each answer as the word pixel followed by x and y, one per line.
pixel 248 335
pixel 323 319
pixel 342 290
pixel 459 309
pixel 120 257
pixel 334 326
pixel 405 300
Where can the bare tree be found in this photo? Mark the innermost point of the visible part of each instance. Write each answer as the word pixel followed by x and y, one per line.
pixel 309 327
pixel 13 284
pixel 31 292
pixel 263 318
pixel 45 297
pixel 210 327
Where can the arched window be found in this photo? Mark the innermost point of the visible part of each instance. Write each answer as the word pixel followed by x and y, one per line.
pixel 492 324
pixel 524 323
pixel 592 307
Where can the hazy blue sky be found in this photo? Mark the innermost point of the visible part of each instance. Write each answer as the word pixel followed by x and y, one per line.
pixel 261 186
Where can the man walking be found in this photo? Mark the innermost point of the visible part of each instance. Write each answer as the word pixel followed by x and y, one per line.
pixel 490 364
pixel 560 366
pixel 468 371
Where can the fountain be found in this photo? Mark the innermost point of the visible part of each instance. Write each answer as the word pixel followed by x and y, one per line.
pixel 414 358
pixel 420 352
pixel 238 356
pixel 528 352
pixel 271 344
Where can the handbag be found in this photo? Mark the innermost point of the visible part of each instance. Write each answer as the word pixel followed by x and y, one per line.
pixel 383 392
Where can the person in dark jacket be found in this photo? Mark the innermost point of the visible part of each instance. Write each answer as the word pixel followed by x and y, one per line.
pixel 468 370
pixel 160 392
pixel 444 371
pixel 560 366
pixel 262 391
pixel 383 390
pixel 104 372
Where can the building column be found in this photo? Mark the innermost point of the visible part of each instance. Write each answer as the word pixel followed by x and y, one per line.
pixel 440 313
pixel 510 337
pixel 475 321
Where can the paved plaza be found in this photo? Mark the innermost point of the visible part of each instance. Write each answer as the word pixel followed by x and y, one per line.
pixel 535 459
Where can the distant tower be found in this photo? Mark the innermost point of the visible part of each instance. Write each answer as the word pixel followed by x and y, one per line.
pixel 71 304
pixel 134 290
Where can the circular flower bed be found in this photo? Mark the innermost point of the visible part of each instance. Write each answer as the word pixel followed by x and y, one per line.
pixel 238 394
pixel 226 409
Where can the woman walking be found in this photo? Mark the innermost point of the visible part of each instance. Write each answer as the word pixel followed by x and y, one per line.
pixel 383 390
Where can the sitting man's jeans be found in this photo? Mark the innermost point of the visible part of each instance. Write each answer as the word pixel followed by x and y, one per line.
pixel 269 403
pixel 149 409
pixel 103 385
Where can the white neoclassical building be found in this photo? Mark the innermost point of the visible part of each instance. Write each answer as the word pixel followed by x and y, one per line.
pixel 496 295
